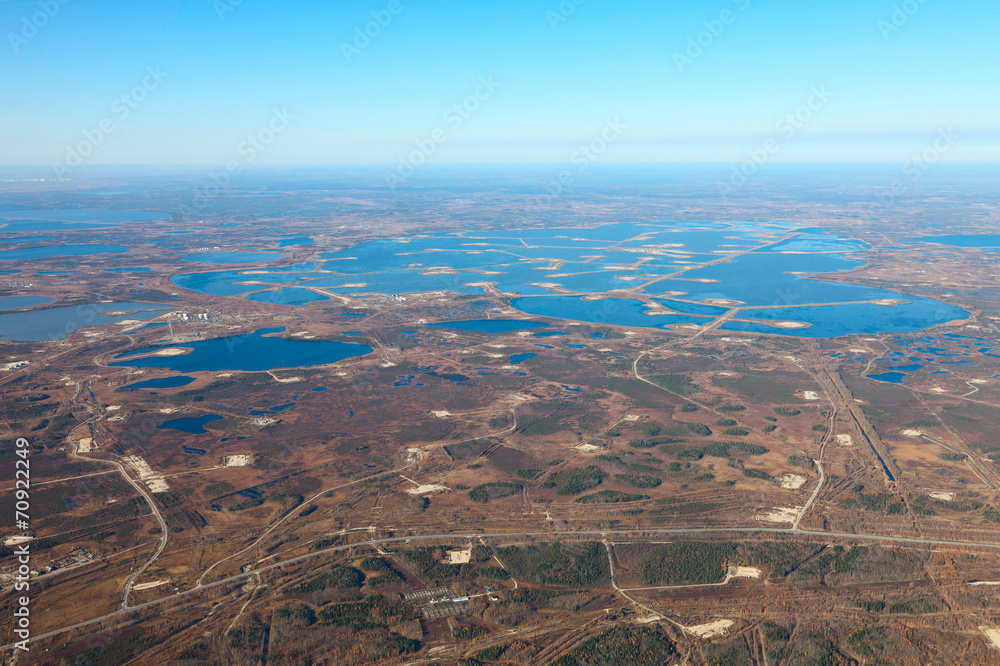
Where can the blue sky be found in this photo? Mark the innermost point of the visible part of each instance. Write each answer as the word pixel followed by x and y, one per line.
pixel 556 74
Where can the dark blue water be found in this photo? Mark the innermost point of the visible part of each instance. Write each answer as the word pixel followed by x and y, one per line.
pixel 576 346
pixel 194 426
pixel 160 383
pixel 290 296
pixel 965 240
pixel 153 325
pixel 221 258
pixel 57 323
pixel 273 410
pixel 298 240
pixel 30 219
pixel 47 251
pixel 834 321
pixel 319 388
pixel 597 259
pixel 26 239
pixel 490 325
pixel 517 359
pixel 352 314
pixel 250 352
pixel 548 334
pixel 892 377
pixel 21 302
pixel 621 312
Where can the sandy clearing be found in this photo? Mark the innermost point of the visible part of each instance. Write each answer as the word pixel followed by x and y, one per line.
pixel 710 629
pixel 170 351
pixel 792 481
pixel 791 324
pixel 993 635
pixel 588 448
pixel 845 440
pixel 441 413
pixel 155 482
pixel 647 619
pixel 426 488
pixel 238 460
pixel 747 572
pixel 937 389
pixel 459 556
pixel 810 395
pixel 780 515
pixel 946 497
pixel 912 433
pixel 149 586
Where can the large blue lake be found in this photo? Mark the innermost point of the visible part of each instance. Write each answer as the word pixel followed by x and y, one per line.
pixel 648 275
pixel 257 351
pixel 47 251
pixel 221 258
pixel 194 426
pixel 35 219
pixel 965 240
pixel 21 302
pixel 57 323
pixel 490 325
